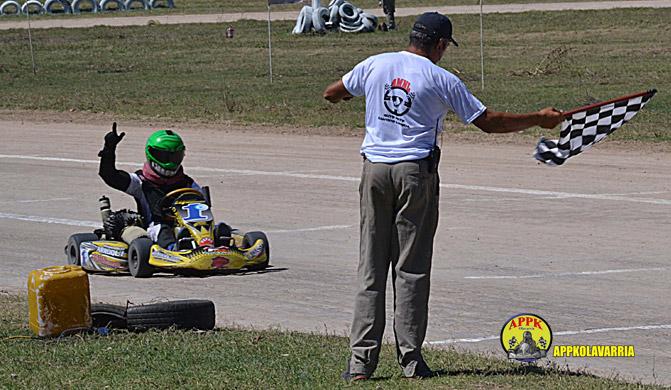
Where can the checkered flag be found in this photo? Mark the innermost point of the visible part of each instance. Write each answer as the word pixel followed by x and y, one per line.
pixel 585 126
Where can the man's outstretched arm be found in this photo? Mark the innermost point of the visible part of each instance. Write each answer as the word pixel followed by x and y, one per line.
pixel 337 92
pixel 505 122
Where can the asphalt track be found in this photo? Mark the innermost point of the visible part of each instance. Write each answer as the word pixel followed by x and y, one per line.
pixel 57 22
pixel 585 245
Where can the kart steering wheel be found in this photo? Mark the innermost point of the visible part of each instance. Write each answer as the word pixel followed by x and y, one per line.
pixel 169 198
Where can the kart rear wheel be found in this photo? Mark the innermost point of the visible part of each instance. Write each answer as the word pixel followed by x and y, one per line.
pixel 74 242
pixel 250 239
pixel 138 257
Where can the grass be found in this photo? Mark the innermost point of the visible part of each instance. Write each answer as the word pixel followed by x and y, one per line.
pixel 240 359
pixel 192 73
pixel 221 6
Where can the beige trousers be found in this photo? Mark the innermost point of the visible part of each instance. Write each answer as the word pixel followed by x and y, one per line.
pixel 399 216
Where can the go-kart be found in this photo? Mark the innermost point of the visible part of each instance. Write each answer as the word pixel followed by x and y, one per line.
pixel 201 244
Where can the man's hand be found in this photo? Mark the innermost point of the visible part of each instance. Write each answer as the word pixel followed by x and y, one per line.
pixel 550 117
pixel 113 138
pixel 337 92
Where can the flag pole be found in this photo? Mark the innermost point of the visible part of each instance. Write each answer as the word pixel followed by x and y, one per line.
pixel 482 49
pixel 30 42
pixel 270 48
pixel 618 99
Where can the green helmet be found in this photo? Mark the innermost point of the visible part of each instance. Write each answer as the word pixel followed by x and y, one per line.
pixel 165 152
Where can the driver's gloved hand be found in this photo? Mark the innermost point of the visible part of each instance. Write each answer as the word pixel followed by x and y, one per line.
pixel 112 139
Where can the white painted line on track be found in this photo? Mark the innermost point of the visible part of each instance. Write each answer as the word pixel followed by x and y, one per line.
pixel 522 191
pixel 60 221
pixel 75 222
pixel 560 274
pixel 34 200
pixel 563 333
pixel 313 229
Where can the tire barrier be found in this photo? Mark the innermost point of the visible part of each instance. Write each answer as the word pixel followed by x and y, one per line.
pixel 129 4
pixel 304 21
pixel 77 4
pixel 63 4
pixel 10 7
pixel 161 4
pixel 340 15
pixel 320 17
pixel 105 5
pixel 14 7
pixel 32 6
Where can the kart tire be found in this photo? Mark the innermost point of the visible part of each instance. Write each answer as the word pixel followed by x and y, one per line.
pixel 248 240
pixel 138 257
pixel 108 316
pixel 74 243
pixel 185 314
pixel 222 230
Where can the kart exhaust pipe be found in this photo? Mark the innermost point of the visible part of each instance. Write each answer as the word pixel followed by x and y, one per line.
pixel 105 208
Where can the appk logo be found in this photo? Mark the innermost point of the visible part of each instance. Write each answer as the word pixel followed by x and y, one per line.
pixel 397 97
pixel 526 337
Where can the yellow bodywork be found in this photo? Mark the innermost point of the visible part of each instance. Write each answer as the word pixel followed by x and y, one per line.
pixel 208 258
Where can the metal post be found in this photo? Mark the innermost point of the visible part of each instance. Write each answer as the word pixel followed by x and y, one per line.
pixel 30 42
pixel 270 48
pixel 482 49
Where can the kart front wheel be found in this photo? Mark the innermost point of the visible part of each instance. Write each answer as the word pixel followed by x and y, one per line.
pixel 138 257
pixel 249 240
pixel 74 244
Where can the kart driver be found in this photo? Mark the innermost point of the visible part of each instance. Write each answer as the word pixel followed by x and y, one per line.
pixel 161 174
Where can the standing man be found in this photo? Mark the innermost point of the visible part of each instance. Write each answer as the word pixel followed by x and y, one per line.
pixel 389 7
pixel 407 98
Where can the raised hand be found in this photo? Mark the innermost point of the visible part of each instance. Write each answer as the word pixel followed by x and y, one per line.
pixel 113 138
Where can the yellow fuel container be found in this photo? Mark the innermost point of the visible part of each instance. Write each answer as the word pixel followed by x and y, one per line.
pixel 58 300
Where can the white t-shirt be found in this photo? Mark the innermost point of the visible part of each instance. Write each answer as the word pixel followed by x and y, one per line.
pixel 407 98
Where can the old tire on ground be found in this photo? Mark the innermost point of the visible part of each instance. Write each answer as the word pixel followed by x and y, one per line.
pixel 7 5
pixel 319 18
pixel 250 239
pixel 104 5
pixel 26 7
pixel 138 257
pixel 73 246
pixel 304 21
pixel 49 6
pixel 110 316
pixel 77 6
pixel 186 314
pixel 349 13
pixel 129 4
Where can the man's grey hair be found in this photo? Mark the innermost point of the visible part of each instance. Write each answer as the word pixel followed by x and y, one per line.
pixel 422 41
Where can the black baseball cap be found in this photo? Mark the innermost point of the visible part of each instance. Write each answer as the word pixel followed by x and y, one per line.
pixel 434 25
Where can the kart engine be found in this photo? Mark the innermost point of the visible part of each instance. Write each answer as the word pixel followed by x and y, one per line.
pixel 117 221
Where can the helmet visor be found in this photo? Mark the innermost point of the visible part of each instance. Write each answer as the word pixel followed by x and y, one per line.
pixel 166 157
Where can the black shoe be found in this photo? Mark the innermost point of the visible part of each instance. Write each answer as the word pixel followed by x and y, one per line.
pixel 421 371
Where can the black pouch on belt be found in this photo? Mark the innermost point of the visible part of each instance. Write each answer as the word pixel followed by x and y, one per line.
pixel 434 159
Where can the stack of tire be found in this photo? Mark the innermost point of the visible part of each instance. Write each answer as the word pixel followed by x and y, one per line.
pixel 12 7
pixel 339 15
